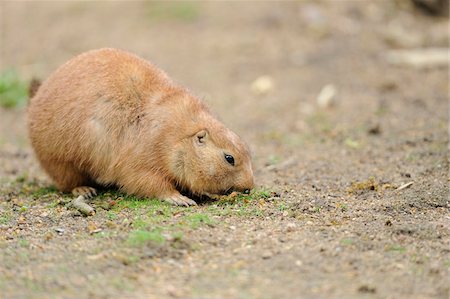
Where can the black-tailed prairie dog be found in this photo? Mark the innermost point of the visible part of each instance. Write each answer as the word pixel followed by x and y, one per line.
pixel 108 117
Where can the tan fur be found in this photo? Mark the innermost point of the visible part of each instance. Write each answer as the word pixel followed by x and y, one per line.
pixel 111 118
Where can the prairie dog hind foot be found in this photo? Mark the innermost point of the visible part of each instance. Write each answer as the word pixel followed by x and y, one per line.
pixel 85 191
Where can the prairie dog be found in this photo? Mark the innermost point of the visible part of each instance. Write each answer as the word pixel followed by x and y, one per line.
pixel 108 117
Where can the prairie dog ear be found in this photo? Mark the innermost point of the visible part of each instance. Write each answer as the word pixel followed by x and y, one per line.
pixel 200 137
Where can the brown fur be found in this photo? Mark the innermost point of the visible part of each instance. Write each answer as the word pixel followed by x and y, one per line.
pixel 111 118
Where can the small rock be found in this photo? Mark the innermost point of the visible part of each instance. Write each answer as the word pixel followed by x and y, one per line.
pixel 233 194
pixel 232 227
pixel 266 255
pixel 110 224
pixel 22 220
pixel 149 254
pixel 124 259
pixel 434 268
pixel 367 289
pixel 92 228
pixel 290 227
pixel 60 231
pixel 43 215
pixel 298 263
pixel 173 291
pixel 17 202
pixel 327 96
pixel 388 86
pixel 48 236
pixel 374 129
pixel 75 213
pixel 399 37
pixel 419 58
pixel 263 85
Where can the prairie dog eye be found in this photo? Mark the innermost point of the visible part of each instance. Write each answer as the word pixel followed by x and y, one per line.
pixel 229 159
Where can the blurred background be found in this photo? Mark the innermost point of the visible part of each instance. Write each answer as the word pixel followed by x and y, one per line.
pixel 271 71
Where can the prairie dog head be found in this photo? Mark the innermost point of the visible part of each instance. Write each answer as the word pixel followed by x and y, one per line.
pixel 214 160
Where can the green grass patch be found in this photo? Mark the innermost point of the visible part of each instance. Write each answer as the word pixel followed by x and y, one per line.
pixel 320 122
pixel 138 238
pixel 352 143
pixel 125 201
pixel 396 248
pixel 23 242
pixel 198 219
pixel 13 90
pixel 343 207
pixel 111 215
pixel 347 242
pixel 173 10
pixel 22 178
pixel 140 223
pixel 44 191
pixel 6 218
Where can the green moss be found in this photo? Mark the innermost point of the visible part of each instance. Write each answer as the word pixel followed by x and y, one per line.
pixel 6 218
pixel 140 223
pixel 23 242
pixel 347 242
pixel 111 215
pixel 125 201
pixel 44 191
pixel 198 219
pixel 141 237
pixel 351 143
pixel 396 248
pixel 320 122
pixel 177 10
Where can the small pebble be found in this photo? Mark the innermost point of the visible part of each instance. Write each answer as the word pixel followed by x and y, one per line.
pixel 327 96
pixel 48 236
pixel 60 231
pixel 290 227
pixel 267 255
pixel 75 213
pixel 367 289
pixel 149 254
pixel 43 215
pixel 263 85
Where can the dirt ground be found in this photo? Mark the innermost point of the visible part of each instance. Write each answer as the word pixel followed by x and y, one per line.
pixel 327 219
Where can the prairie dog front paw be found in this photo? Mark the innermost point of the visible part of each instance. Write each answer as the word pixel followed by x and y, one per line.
pixel 179 200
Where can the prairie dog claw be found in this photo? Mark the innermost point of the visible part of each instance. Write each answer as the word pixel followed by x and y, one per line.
pixel 180 200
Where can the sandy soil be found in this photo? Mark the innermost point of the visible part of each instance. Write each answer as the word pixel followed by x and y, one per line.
pixel 327 219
